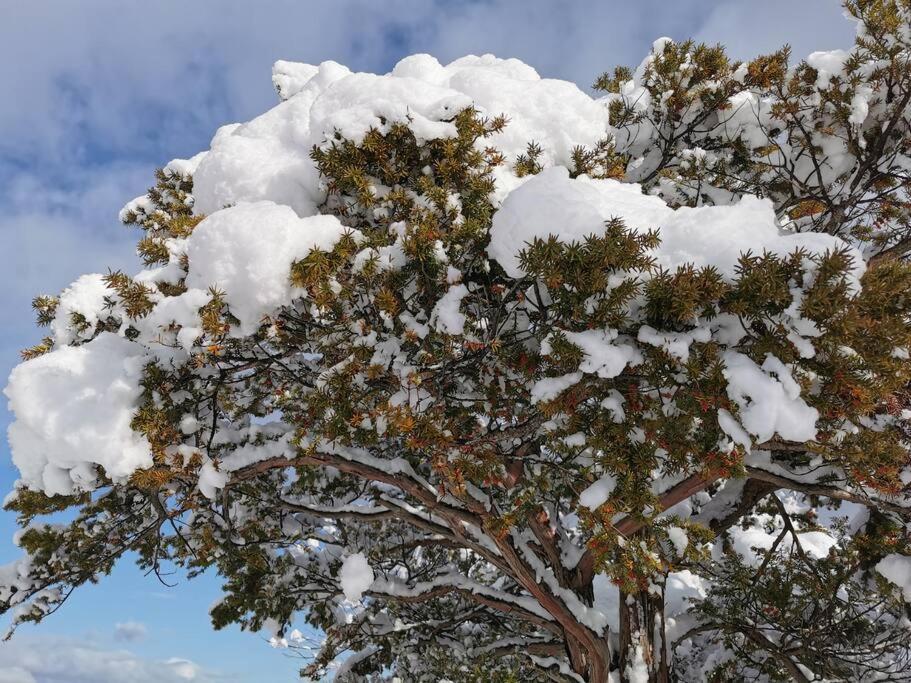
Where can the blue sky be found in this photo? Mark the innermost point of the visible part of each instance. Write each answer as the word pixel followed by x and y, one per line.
pixel 97 93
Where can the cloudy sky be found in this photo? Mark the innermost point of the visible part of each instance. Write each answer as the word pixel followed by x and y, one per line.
pixel 97 93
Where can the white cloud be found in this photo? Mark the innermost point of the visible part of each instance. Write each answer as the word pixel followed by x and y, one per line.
pixel 16 674
pixel 130 631
pixel 26 659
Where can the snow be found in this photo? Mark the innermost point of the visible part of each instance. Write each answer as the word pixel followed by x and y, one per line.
pixel 827 64
pixel 675 343
pixel 743 541
pixel 268 157
pixel 247 251
pixel 446 316
pixel 680 590
pixel 289 78
pixel 361 102
pixel 768 404
pixel 85 297
pixel 553 203
pixel 594 496
pixel 185 168
pixel 355 576
pixel 860 106
pixel 601 356
pixel 555 114
pixel 211 480
pixel 614 404
pixel 637 669
pixel 73 408
pixel 678 538
pixel 897 569
pixel 732 428
pixel 548 388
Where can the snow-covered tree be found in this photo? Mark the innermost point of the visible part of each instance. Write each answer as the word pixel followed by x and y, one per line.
pixel 486 380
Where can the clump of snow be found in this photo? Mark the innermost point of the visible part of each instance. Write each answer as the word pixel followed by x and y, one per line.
pixel 553 203
pixel 289 78
pixel 678 538
pixel 184 168
pixel 247 251
pixel 269 157
pixel 361 102
pixel 897 569
pixel 73 408
pixel 827 63
pixel 602 357
pixel 446 316
pixel 769 399
pixel 730 426
pixel 860 106
pixel 84 297
pixel 548 388
pixel 675 343
pixel 594 496
pixel 211 480
pixel 614 405
pixel 355 576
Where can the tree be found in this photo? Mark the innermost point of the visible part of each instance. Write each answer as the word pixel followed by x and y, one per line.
pixel 484 387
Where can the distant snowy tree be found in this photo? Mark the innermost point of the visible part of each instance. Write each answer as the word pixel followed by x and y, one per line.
pixel 488 380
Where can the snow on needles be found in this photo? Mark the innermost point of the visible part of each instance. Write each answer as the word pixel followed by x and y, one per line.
pixel 73 409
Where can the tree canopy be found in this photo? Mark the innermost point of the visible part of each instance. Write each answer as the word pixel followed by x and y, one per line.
pixel 486 379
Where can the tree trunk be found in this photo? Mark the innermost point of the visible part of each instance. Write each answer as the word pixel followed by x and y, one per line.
pixel 590 660
pixel 643 647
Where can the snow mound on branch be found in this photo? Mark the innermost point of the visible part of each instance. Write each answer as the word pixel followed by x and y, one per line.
pixel 85 297
pixel 595 495
pixel 552 203
pixel 768 404
pixel 247 251
pixel 897 569
pixel 289 78
pixel 269 157
pixel 827 64
pixel 356 576
pixel 73 409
